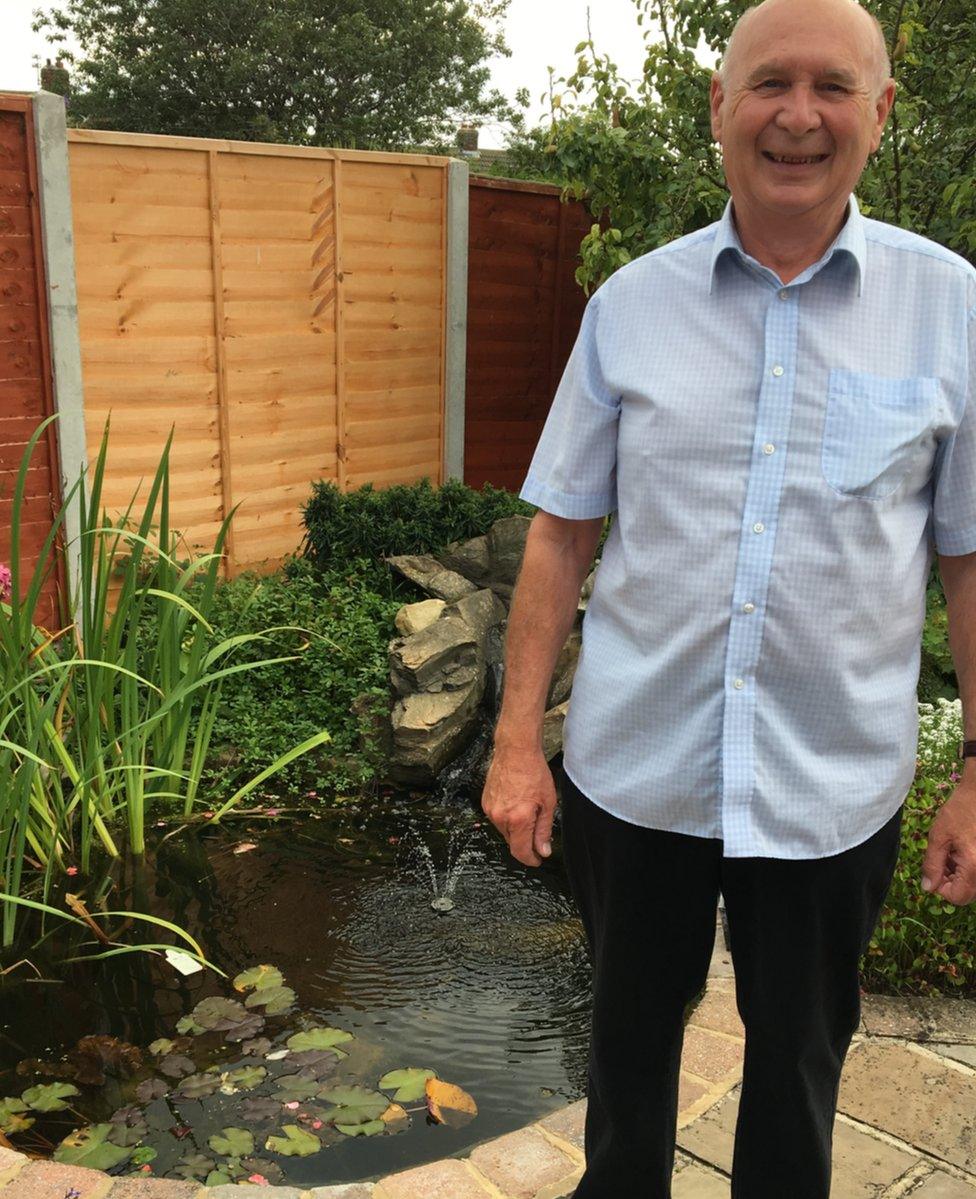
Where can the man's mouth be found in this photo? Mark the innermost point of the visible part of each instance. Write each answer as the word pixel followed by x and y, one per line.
pixel 795 159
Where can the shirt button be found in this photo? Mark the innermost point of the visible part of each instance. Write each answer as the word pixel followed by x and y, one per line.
pixel 749 607
pixel 769 448
pixel 777 371
pixel 738 684
pixel 784 294
pixel 759 527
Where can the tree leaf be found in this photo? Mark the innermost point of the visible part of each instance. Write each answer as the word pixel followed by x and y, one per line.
pixel 49 1097
pixel 91 1147
pixel 409 1083
pixel 448 1104
pixel 232 1142
pixel 295 1143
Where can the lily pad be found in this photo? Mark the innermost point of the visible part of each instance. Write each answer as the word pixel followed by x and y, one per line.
pixel 50 1097
pixel 162 1045
pixel 11 1120
pixel 408 1085
pixel 142 1155
pixel 129 1126
pixel 232 1142
pixel 257 1047
pixel 274 1000
pixel 175 1065
pixel 316 1061
pixel 91 1147
pixel 269 1170
pixel 354 1105
pixel 150 1089
pixel 317 1038
pixel 194 1165
pixel 259 1109
pixel 370 1128
pixel 296 1086
pixel 258 978
pixel 247 1029
pixel 295 1143
pixel 188 1025
pixel 198 1086
pixel 246 1078
pixel 217 1014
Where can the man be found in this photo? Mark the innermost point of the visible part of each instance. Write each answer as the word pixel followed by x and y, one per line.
pixel 779 408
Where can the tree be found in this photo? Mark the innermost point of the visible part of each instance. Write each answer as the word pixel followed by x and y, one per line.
pixel 646 156
pixel 355 73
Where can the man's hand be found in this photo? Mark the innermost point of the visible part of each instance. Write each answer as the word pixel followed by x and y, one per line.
pixel 520 799
pixel 949 867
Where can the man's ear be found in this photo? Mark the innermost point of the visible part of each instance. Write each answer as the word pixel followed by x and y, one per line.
pixel 716 100
pixel 882 109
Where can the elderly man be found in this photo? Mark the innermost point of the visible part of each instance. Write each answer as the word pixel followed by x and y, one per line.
pixel 779 409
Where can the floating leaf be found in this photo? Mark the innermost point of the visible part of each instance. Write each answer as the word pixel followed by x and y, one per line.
pixel 270 1171
pixel 130 1130
pixel 296 1086
pixel 91 1147
pixel 218 1014
pixel 50 1097
pixel 150 1089
pixel 175 1065
pixel 354 1105
pixel 274 1000
pixel 394 1117
pixel 409 1084
pixel 11 1120
pixel 317 1038
pixel 295 1143
pixel 448 1104
pixel 246 1078
pixel 257 1047
pixel 142 1155
pixel 194 1165
pixel 277 1055
pixel 163 1045
pixel 198 1086
pixel 247 1029
pixel 189 1025
pixel 259 1109
pixel 232 1142
pixel 316 1061
pixel 258 977
pixel 370 1128
pixel 218 1178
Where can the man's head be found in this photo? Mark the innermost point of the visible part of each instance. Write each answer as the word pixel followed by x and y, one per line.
pixel 801 79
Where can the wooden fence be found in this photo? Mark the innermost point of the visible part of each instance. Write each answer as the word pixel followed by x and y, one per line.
pixel 524 312
pixel 25 367
pixel 283 306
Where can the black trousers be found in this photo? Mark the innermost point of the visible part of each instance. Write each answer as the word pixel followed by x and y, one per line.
pixel 648 901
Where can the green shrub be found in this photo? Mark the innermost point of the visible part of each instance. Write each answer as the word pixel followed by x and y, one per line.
pixel 413 518
pixel 923 945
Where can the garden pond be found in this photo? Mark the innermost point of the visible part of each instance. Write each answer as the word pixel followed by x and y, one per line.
pixel 359 941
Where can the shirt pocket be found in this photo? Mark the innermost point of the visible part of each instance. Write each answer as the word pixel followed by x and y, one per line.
pixel 878 431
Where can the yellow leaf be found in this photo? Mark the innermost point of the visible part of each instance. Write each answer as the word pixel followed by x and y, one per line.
pixel 448 1104
pixel 394 1112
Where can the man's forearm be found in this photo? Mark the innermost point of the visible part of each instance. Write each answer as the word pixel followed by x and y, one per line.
pixel 959 583
pixel 543 610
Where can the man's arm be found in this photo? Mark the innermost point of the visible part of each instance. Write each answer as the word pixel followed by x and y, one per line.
pixel 519 797
pixel 949 867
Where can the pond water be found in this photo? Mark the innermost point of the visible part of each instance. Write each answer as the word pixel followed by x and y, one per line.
pixel 492 994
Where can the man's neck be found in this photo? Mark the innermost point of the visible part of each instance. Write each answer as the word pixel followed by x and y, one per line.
pixel 787 246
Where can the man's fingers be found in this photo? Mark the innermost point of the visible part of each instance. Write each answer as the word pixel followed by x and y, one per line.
pixel 520 843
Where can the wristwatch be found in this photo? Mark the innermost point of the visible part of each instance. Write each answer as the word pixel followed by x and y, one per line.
pixel 967 749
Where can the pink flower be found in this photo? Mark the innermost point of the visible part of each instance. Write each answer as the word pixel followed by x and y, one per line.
pixel 72 870
pixel 291 1106
pixel 258 1180
pixel 312 794
pixel 6 580
pixel 272 811
pixel 316 1123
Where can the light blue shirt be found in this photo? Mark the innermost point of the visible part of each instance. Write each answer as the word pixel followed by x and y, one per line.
pixel 783 462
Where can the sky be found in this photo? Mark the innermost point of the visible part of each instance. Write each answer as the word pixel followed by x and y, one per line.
pixel 540 34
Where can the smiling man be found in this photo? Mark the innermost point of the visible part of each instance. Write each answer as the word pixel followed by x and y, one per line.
pixel 779 409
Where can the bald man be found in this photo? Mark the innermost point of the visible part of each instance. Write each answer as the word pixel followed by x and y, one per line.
pixel 775 408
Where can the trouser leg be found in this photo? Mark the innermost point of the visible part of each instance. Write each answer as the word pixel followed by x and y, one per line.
pixel 647 900
pixel 797 929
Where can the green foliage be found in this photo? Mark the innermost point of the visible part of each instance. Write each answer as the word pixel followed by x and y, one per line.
pixel 645 155
pixel 366 73
pixel 413 518
pixel 924 945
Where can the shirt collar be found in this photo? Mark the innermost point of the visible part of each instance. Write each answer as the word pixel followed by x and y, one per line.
pixel 850 240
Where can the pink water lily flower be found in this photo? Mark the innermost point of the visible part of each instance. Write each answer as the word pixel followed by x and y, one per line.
pixel 6 581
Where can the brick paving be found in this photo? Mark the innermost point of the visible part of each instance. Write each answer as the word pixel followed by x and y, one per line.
pixel 905 1125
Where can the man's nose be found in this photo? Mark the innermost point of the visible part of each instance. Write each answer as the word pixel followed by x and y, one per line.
pixel 800 111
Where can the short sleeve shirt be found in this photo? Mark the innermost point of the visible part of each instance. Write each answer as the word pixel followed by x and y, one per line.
pixel 782 462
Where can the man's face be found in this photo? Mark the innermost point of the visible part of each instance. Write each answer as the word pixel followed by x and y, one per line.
pixel 803 84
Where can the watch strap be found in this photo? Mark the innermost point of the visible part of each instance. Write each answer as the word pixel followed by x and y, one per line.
pixel 967 749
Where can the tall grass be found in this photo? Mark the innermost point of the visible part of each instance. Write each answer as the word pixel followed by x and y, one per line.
pixel 97 721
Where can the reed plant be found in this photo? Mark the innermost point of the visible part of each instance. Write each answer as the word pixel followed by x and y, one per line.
pixel 98 724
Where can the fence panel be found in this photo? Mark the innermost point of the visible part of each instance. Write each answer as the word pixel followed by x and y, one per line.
pixel 283 306
pixel 25 365
pixel 524 312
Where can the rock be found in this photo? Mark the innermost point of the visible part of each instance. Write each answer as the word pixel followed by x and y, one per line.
pixel 430 575
pixel 552 730
pixel 565 669
pixel 471 559
pixel 480 611
pixel 587 590
pixel 447 652
pixel 506 547
pixel 430 730
pixel 412 618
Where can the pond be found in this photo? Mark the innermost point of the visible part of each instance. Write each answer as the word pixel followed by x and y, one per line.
pixel 492 993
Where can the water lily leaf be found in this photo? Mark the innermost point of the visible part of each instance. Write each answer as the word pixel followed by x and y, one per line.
pixel 142 1155
pixel 217 1014
pixel 129 1126
pixel 198 1086
pixel 269 1170
pixel 364 1130
pixel 194 1165
pixel 259 1109
pixel 395 1117
pixel 150 1089
pixel 296 1086
pixel 163 1045
pixel 247 1028
pixel 295 1143
pixel 274 1000
pixel 319 1062
pixel 258 977
pixel 50 1097
pixel 408 1084
pixel 246 1078
pixel 317 1038
pixel 188 1025
pixel 218 1178
pixel 175 1065
pixel 448 1104
pixel 11 1120
pixel 354 1105
pixel 91 1147
pixel 232 1142
pixel 257 1047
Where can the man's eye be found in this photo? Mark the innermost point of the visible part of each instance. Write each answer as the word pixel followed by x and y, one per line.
pixel 771 83
pixel 837 87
